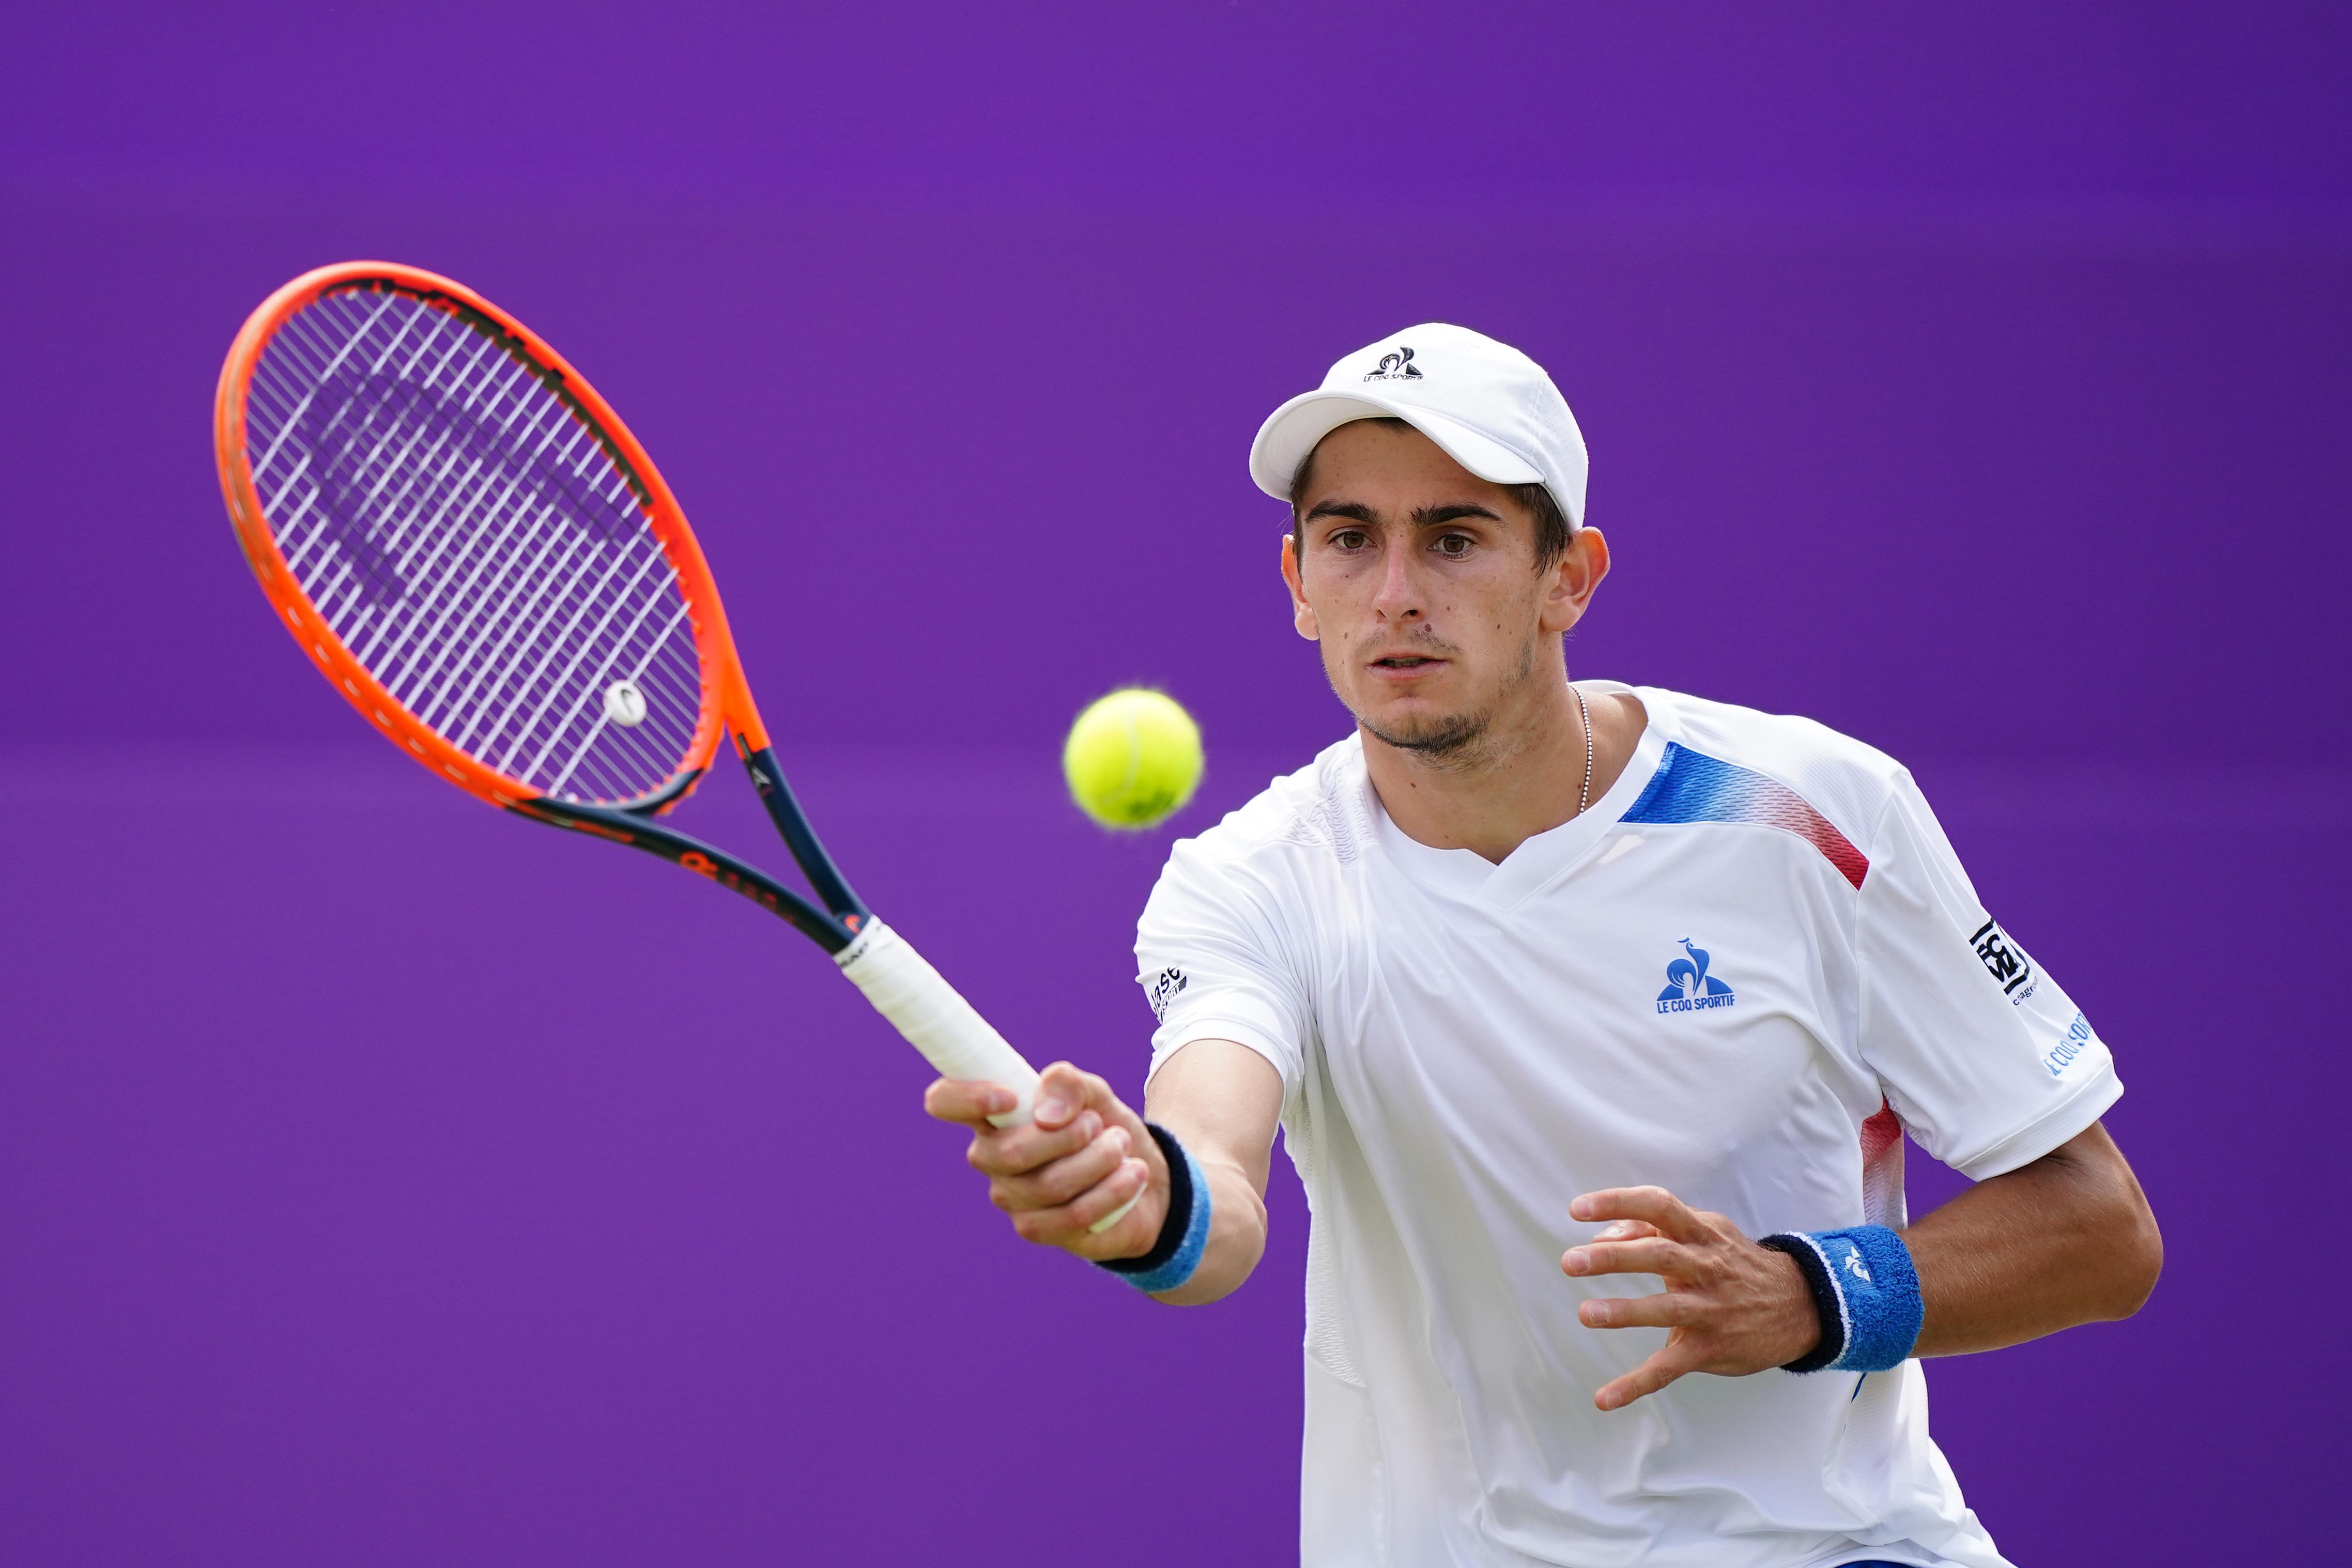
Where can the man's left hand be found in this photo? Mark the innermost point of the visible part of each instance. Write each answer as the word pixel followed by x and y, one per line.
pixel 1733 1306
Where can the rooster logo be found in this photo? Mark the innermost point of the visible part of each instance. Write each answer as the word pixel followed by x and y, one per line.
pixel 1397 366
pixel 1686 978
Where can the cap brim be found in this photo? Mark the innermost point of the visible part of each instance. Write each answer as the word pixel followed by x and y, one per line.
pixel 1291 431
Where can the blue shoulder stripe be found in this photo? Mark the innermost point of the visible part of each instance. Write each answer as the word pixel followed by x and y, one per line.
pixel 1691 787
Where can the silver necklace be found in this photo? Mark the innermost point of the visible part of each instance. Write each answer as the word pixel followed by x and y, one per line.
pixel 1584 720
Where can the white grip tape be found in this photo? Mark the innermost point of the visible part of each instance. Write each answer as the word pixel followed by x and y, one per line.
pixel 934 1017
pixel 949 1031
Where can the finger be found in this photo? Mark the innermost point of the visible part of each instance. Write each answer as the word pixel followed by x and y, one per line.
pixel 1625 1230
pixel 1066 1224
pixel 1017 1151
pixel 1655 1206
pixel 1069 1082
pixel 1097 1227
pixel 967 1100
pixel 1063 1091
pixel 1053 1185
pixel 1670 1310
pixel 1108 1196
pixel 1645 1379
pixel 1654 1256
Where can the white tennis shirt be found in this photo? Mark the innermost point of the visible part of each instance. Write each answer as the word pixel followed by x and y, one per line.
pixel 1728 977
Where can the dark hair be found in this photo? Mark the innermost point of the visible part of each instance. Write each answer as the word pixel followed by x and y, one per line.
pixel 1551 524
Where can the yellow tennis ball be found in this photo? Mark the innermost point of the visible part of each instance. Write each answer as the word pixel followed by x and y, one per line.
pixel 1132 759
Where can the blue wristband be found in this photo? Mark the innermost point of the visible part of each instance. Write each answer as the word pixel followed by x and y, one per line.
pixel 1184 1234
pixel 1866 1292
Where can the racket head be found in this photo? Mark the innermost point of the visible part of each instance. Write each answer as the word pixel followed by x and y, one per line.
pixel 471 546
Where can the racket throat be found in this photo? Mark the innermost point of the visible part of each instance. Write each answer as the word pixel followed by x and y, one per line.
pixel 784 811
pixel 705 860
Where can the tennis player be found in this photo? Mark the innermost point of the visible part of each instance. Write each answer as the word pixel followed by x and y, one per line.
pixel 1593 1016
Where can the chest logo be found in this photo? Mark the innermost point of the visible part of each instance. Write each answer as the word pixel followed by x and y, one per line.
pixel 1690 987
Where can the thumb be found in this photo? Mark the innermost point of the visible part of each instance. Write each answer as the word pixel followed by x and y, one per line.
pixel 1063 1091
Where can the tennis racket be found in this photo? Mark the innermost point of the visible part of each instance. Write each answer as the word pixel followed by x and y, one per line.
pixel 475 551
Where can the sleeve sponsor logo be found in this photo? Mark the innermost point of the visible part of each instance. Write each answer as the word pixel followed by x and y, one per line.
pixel 1162 990
pixel 2079 1038
pixel 2003 960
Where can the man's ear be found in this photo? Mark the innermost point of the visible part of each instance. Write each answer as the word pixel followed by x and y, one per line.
pixel 1575 577
pixel 1301 614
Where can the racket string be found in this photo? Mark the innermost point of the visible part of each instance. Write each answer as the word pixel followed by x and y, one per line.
pixel 324 529
pixel 431 631
pixel 406 463
pixel 471 538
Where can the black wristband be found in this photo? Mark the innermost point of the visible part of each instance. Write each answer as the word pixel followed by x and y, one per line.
pixel 1825 1303
pixel 1179 1209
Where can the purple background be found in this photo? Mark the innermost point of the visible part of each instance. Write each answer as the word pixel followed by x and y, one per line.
pixel 382 1182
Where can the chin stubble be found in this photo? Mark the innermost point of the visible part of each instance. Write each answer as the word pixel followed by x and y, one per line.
pixel 1458 740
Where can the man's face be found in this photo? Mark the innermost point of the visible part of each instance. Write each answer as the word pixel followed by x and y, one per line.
pixel 1419 581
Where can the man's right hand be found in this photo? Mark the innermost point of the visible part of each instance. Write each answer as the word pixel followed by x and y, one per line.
pixel 1082 1155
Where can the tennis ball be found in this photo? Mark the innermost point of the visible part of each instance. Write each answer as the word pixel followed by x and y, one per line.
pixel 1132 758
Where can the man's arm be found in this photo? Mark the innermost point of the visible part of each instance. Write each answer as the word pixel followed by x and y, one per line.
pixel 2066 1239
pixel 1087 1152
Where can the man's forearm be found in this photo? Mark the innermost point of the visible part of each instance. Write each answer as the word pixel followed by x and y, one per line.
pixel 1223 1101
pixel 1236 1233
pixel 2067 1239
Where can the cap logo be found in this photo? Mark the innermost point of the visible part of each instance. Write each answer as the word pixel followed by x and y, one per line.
pixel 1398 366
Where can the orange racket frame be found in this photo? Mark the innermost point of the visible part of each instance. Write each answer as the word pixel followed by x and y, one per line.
pixel 900 984
pixel 726 697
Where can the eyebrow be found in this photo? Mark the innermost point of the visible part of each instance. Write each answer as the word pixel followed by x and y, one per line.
pixel 1423 517
pixel 1430 516
pixel 1355 510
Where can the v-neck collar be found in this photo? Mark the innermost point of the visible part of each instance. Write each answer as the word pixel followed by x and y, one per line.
pixel 1540 859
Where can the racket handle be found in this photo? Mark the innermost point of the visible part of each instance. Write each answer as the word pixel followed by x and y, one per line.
pixel 948 1030
pixel 934 1017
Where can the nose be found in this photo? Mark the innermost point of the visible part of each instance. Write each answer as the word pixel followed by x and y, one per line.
pixel 1399 598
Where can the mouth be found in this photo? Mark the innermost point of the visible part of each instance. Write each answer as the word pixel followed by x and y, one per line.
pixel 1404 664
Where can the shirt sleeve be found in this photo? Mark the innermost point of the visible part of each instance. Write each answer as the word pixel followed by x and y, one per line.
pixel 1981 1053
pixel 1212 962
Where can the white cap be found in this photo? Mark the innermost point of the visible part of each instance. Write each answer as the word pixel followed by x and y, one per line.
pixel 1491 407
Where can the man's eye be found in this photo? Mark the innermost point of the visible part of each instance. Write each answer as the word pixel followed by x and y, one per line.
pixel 1455 546
pixel 1348 539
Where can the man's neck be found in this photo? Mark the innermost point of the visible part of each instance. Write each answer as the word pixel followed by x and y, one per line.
pixel 1521 777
